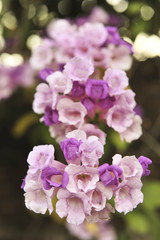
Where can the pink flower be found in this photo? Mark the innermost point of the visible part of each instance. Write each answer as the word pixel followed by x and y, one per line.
pixel 98 14
pixel 74 206
pixel 37 198
pixel 43 98
pixel 79 69
pixel 130 166
pixel 119 118
pixel 99 216
pixel 59 131
pixel 128 193
pixel 90 151
pixel 81 178
pixel 126 98
pixel 91 130
pixel 41 156
pixel 63 32
pixel 59 82
pixel 77 134
pixel 120 57
pixel 117 81
pixel 95 34
pixel 71 113
pixel 134 131
pixel 99 196
pixel 42 55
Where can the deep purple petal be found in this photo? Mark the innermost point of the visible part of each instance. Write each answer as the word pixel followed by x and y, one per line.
pixel 43 74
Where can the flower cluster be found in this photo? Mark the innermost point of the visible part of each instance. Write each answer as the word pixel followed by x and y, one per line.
pixel 13 77
pixel 82 187
pixel 70 98
pixel 92 40
pixel 99 231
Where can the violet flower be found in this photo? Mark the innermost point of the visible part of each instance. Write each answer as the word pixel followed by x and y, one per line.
pixel 144 161
pixel 53 177
pixel 109 175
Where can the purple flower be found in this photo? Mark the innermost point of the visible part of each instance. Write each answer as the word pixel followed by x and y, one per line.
pixel 88 103
pixel 77 90
pixel 107 103
pixel 51 116
pixel 113 35
pixel 144 161
pixel 53 177
pixel 70 148
pixel 43 74
pixel 109 175
pixel 96 89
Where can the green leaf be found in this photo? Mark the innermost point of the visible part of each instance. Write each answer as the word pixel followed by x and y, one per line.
pixel 23 123
pixel 137 222
pixel 151 191
pixel 116 141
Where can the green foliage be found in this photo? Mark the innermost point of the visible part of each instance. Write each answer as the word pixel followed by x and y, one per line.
pixel 137 222
pixel 151 192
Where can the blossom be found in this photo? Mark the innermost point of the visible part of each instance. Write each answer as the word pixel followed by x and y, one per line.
pixel 117 81
pixel 99 196
pixel 109 175
pixel 44 73
pixel 43 98
pixel 90 151
pixel 79 69
pixel 128 193
pixel 70 112
pixel 144 161
pixel 129 164
pixel 40 157
pixel 70 148
pixel 134 131
pixel 59 82
pixel 37 198
pixel 93 130
pixel 119 118
pixel 51 116
pixel 96 89
pixel 99 216
pixel 42 55
pixel 90 31
pixel 53 177
pixel 74 206
pixel 81 178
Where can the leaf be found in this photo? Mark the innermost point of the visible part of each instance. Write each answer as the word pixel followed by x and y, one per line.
pixel 116 141
pixel 23 123
pixel 137 222
pixel 151 191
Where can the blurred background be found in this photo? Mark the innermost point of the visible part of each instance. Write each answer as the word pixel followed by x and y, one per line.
pixel 22 24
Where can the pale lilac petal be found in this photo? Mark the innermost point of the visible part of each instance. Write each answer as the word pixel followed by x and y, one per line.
pixel 79 69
